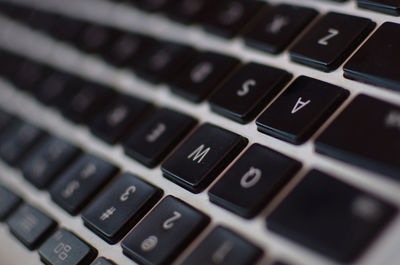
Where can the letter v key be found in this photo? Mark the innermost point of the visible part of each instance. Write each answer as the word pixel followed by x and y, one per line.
pixel 299 105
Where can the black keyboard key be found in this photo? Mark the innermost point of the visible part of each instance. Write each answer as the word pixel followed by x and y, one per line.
pixel 164 62
pixel 65 248
pixel 118 117
pixel 18 140
pixel 376 62
pixel 6 120
pixel 248 91
pixel 189 11
pixel 203 75
pixel 29 75
pixel 278 27
pixel 153 5
pixel 43 164
pixel 80 182
pixel 223 247
pixel 11 64
pixel 391 7
pixel 103 261
pixel 57 88
pixel 229 17
pixel 9 202
pixel 164 233
pixel 301 109
pixel 331 40
pixel 96 39
pixel 340 227
pixel 366 134
pixel 129 50
pixel 200 159
pixel 68 29
pixel 120 207
pixel 253 181
pixel 30 225
pixel 87 102
pixel 151 142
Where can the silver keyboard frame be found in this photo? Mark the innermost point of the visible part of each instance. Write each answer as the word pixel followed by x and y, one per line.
pixel 16 37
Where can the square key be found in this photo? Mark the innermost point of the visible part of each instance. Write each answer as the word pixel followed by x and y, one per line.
pixel 253 181
pixel 202 157
pixel 120 207
pixel 331 40
pixel 301 109
pixel 165 232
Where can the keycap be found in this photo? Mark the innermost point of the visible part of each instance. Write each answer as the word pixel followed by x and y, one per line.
pixel 43 164
pixel 9 202
pixel 6 119
pixel 81 181
pixel 331 40
pixel 301 109
pixel 340 227
pixel 164 233
pixel 164 62
pixel 57 88
pixel 223 246
pixel 65 248
pixel 366 134
pixel 278 27
pixel 87 102
pixel 95 38
pixel 376 61
pixel 30 225
pixel 201 158
pixel 280 263
pixel 68 29
pixel 151 142
pixel 120 207
pixel 18 140
pixel 243 96
pixel 203 75
pixel 103 261
pixel 28 75
pixel 229 17
pixel 253 180
pixel 129 50
pixel 384 6
pixel 119 117
pixel 153 5
pixel 11 63
pixel 40 20
pixel 189 11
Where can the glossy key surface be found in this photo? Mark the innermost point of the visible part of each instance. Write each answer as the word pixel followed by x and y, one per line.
pixel 301 109
pixel 365 138
pixel 253 180
pixel 202 157
pixel 78 184
pixel 340 227
pixel 391 7
pixel 331 40
pixel 66 248
pixel 376 62
pixel 248 91
pixel 120 207
pixel 164 233
pixel 30 225
pixel 8 202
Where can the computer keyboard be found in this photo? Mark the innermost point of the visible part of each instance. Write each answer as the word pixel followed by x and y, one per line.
pixel 199 132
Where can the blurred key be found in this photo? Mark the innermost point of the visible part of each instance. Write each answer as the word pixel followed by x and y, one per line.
pixel 30 225
pixel 340 227
pixel 65 248
pixel 189 11
pixel 43 164
pixel 391 7
pixel 9 202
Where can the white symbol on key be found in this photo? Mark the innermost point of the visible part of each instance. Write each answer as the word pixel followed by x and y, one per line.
pixel 199 153
pixel 250 178
pixel 169 223
pixel 149 243
pixel 366 208
pixel 299 105
pixel 70 189
pixel 232 13
pixel 107 214
pixel 332 33
pixel 393 119
pixel 88 171
pixel 277 24
pixel 219 255
pixel 245 89
pixel 156 132
pixel 201 71
pixel 117 115
pixel 125 196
